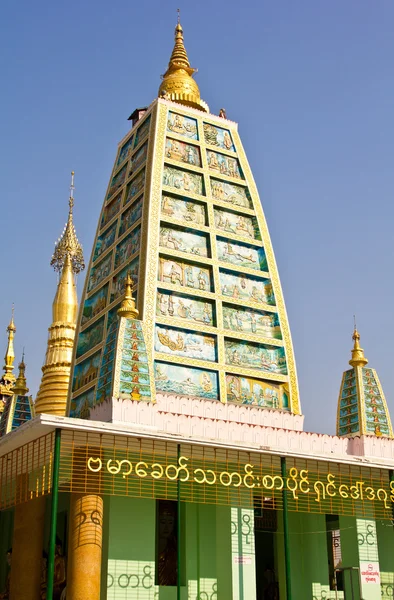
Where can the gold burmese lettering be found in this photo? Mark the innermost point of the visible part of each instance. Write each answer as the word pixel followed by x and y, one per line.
pixel 296 482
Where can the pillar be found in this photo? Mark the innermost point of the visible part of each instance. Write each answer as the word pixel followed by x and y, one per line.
pixel 27 547
pixel 84 547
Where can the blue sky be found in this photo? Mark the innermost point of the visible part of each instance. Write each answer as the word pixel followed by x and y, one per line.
pixel 311 85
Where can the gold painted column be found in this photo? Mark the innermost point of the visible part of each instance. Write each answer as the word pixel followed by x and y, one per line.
pixel 84 547
pixel 27 547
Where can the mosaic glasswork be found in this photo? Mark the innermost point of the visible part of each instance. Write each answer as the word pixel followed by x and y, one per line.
pixel 81 405
pixel 253 356
pixel 86 371
pixel 187 211
pixel 94 305
pixel 130 216
pixel 183 180
pixel 117 285
pixel 117 181
pixel 125 150
pixel 183 152
pixel 224 165
pixel 127 247
pixel 139 157
pixel 176 379
pixel 216 136
pixel 246 390
pixel 111 210
pixel 90 337
pixel 142 131
pixel 231 193
pixel 237 224
pixel 135 186
pixel 99 272
pixel 189 344
pixel 181 125
pixel 104 241
pixel 248 320
pixel 134 372
pixel 192 310
pixel 242 287
pixel 184 274
pixel 104 385
pixel 242 255
pixel 184 241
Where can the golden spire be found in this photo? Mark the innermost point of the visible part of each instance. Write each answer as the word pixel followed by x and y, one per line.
pixel 68 244
pixel 178 83
pixel 127 308
pixel 67 258
pixel 10 354
pixel 20 388
pixel 358 359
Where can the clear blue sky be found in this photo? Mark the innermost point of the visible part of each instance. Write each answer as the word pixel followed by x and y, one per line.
pixel 311 85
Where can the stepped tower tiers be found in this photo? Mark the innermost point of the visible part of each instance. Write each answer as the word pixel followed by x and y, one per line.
pixel 18 407
pixel 183 217
pixel 68 260
pixel 362 407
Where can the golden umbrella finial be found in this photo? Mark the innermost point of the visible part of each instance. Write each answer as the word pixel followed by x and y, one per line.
pixel 358 359
pixel 127 308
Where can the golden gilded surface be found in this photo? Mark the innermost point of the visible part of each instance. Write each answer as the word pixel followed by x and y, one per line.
pixel 358 359
pixel 8 379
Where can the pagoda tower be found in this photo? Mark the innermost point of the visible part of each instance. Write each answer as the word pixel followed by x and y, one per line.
pixel 182 218
pixel 67 260
pixel 18 407
pixel 362 407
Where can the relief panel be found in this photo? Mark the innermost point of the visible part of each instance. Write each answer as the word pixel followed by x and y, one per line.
pixel 127 247
pixel 89 338
pixel 238 224
pixel 117 181
pixel 184 241
pixel 248 320
pixel 125 150
pixel 192 310
pixel 231 193
pixel 86 371
pixel 183 210
pixel 217 136
pixel 111 210
pixel 242 255
pixel 142 131
pixel 182 125
pixel 245 390
pixel 139 157
pixel 254 356
pixel 183 152
pixel 224 165
pixel 99 272
pixel 130 216
pixel 94 305
pixel 176 379
pixel 135 186
pixel 184 274
pixel 117 285
pixel 80 406
pixel 183 180
pixel 104 241
pixel 241 287
pixel 179 342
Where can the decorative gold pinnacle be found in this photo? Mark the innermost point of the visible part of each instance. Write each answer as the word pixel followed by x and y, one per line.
pixel 127 308
pixel 358 359
pixel 178 84
pixel 20 387
pixel 68 244
pixel 8 379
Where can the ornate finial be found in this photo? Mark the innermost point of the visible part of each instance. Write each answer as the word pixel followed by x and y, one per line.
pixel 179 15
pixel 68 244
pixel 358 359
pixel 127 308
pixel 20 388
pixel 178 84
pixel 8 379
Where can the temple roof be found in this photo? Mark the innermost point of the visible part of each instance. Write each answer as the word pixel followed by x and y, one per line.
pixel 362 407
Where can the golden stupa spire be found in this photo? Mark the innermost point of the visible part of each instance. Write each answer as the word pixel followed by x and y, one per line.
pixel 358 359
pixel 10 354
pixel 178 83
pixel 67 258
pixel 68 245
pixel 20 388
pixel 127 308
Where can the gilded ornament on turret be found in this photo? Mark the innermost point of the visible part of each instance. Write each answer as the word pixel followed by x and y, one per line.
pixel 20 387
pixel 358 359
pixel 68 260
pixel 178 84
pixel 8 379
